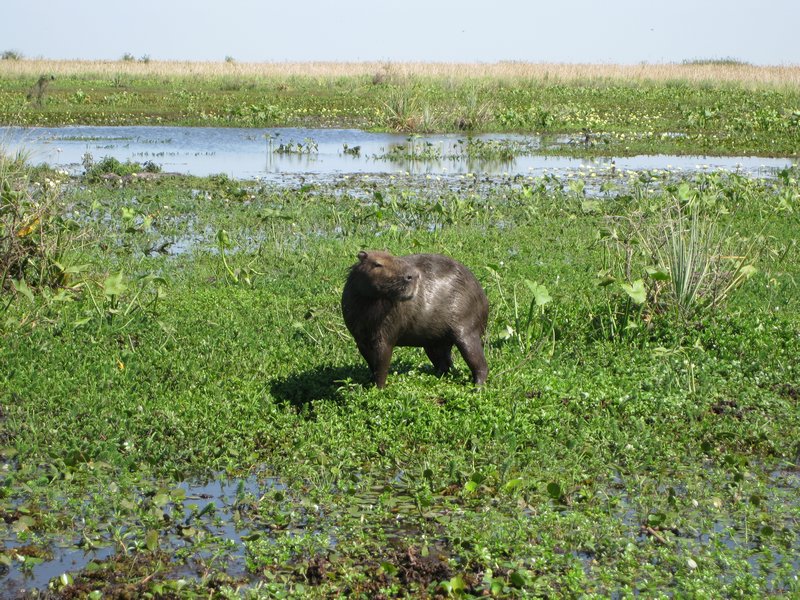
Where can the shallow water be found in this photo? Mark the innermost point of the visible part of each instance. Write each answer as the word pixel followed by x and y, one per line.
pixel 252 153
pixel 67 557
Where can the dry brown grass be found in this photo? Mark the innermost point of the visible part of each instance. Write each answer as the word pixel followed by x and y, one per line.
pixel 700 73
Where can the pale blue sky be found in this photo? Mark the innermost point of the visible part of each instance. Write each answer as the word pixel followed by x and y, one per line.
pixel 610 31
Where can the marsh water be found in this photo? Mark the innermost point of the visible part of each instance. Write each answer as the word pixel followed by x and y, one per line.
pixel 244 153
pixel 208 506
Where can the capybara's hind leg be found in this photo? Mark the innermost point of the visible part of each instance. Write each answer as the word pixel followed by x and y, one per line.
pixel 471 349
pixel 441 357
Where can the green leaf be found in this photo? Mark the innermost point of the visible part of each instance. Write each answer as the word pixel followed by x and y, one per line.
pixel 605 279
pixel 22 524
pixel 457 584
pixel 590 206
pixel 685 192
pixel 114 285
pixel 636 291
pixel 187 532
pixel 22 288
pixel 518 579
pixel 273 213
pixel 151 540
pixel 657 274
pixel 478 477
pixel 540 294
pixel 554 490
pixel 513 484
pixel 208 508
pixel 747 271
pixel 223 239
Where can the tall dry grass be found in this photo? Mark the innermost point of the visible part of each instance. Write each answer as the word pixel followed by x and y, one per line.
pixel 696 73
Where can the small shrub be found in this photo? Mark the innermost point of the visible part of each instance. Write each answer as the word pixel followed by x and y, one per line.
pixel 34 237
pixel 11 55
pixel 698 260
pixel 110 166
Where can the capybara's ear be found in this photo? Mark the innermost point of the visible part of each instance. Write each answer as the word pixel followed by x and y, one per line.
pixel 362 256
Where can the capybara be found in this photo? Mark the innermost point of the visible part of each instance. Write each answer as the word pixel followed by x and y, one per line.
pixel 426 300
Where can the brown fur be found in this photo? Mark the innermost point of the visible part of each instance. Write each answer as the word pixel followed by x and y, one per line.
pixel 426 300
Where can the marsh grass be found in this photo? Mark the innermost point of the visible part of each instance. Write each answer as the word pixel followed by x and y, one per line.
pixel 701 72
pixel 660 462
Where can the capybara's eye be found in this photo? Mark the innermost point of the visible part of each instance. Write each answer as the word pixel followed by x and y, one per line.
pixel 377 265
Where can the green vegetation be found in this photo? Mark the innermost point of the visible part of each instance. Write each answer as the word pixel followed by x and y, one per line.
pixel 110 168
pixel 10 55
pixel 611 116
pixel 637 435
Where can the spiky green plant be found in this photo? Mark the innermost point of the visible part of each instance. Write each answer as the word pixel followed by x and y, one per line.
pixel 700 262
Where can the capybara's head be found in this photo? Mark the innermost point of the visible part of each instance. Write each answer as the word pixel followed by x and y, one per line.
pixel 379 274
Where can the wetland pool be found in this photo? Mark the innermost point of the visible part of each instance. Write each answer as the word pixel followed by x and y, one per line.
pixel 243 153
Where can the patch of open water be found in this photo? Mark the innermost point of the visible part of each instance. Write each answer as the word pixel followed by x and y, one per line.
pixel 244 153
pixel 209 506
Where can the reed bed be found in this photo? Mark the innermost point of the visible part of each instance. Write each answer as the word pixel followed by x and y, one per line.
pixel 711 72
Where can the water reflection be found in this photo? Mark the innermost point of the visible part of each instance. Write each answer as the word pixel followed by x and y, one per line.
pixel 254 153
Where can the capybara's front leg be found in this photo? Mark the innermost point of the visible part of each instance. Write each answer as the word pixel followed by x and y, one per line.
pixel 378 357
